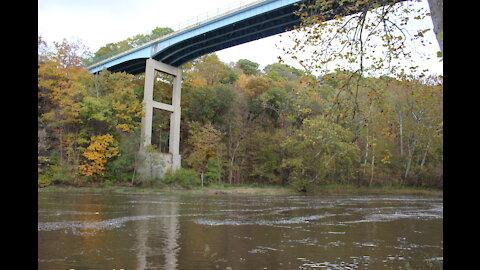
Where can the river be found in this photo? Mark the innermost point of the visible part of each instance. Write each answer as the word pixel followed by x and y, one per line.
pixel 117 231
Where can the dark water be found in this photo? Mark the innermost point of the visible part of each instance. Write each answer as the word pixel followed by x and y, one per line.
pixel 93 231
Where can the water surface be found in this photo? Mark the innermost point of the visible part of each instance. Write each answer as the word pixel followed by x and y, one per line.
pixel 113 231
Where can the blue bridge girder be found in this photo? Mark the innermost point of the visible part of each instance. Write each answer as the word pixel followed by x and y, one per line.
pixel 257 20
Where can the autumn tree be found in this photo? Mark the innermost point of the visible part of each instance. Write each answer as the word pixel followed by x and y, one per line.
pixel 205 141
pixel 209 71
pixel 418 114
pixel 74 105
pixel 62 85
pixel 101 148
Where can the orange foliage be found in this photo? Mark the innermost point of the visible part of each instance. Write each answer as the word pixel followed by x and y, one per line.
pixel 97 154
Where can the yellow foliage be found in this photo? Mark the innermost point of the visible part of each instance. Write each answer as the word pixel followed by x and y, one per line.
pixel 101 148
pixel 252 86
pixel 198 82
pixel 124 127
pixel 125 111
pixel 242 81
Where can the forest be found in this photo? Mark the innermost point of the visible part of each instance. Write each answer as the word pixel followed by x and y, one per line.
pixel 240 125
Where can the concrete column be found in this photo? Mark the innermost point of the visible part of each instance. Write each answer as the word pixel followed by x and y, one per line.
pixel 174 143
pixel 146 132
pixel 149 104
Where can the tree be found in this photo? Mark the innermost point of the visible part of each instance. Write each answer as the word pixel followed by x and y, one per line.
pixel 101 148
pixel 364 37
pixel 205 141
pixel 248 67
pixel 212 70
pixel 419 112
pixel 321 152
pixel 207 103
pixel 266 157
pixel 62 85
pixel 111 49
pixel 75 106
pixel 282 72
pixel 361 38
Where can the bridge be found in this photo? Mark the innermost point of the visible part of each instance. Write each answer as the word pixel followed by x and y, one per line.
pixel 259 19
pixel 253 21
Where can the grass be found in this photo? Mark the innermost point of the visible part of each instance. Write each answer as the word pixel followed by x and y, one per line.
pixel 250 190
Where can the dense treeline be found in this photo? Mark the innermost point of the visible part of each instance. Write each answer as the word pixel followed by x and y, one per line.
pixel 240 125
pixel 111 49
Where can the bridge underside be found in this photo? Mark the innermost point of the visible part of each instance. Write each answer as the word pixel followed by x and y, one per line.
pixel 254 28
pixel 210 37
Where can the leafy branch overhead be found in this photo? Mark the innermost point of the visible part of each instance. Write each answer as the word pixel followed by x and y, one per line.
pixel 367 37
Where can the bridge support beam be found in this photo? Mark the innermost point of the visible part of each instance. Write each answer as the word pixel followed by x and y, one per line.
pixel 154 164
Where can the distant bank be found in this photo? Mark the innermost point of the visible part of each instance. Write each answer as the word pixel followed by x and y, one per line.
pixel 250 190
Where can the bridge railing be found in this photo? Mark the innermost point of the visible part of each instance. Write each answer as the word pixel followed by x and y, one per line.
pixel 226 8
pixel 191 22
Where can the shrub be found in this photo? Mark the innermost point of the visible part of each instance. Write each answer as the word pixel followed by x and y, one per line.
pixel 300 183
pixel 213 172
pixel 183 177
pixel 61 174
pixel 44 180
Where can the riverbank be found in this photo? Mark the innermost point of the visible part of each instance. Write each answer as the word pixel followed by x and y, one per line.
pixel 250 190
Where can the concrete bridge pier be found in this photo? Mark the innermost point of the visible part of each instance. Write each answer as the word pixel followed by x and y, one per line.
pixel 154 164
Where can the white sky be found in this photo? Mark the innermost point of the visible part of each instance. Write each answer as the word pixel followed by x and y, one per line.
pixel 98 22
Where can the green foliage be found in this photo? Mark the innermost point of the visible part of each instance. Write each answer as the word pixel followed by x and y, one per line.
pixel 205 146
pixel 282 72
pixel 93 108
pixel 207 103
pixel 61 174
pixel 320 151
pixel 273 101
pixel 248 67
pixel 213 172
pixel 114 48
pixel 183 177
pixel 211 71
pixel 121 168
pixel 298 181
pixel 44 180
pixel 267 158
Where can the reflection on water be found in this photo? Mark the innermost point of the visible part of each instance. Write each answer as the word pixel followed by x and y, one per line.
pixel 92 231
pixel 167 224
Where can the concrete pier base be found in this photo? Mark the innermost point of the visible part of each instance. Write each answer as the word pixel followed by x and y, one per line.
pixel 153 164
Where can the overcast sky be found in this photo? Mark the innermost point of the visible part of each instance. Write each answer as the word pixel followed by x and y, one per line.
pixel 98 22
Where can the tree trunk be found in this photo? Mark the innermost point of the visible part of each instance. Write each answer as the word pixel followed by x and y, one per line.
pixel 411 150
pixel 366 154
pixel 436 9
pixel 229 145
pixel 372 167
pixel 425 153
pixel 134 168
pixel 61 145
pixel 400 123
